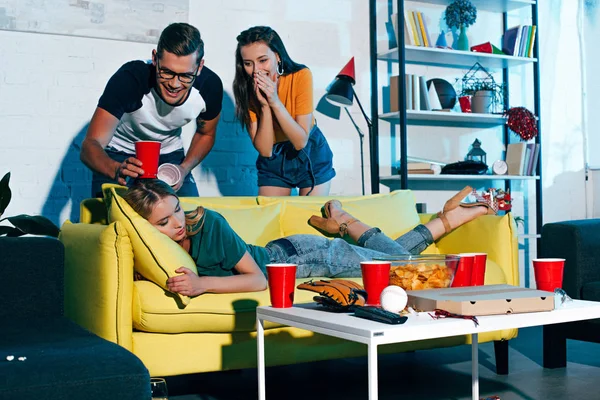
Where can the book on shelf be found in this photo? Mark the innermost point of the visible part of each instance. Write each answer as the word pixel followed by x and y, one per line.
pixel 423 168
pixel 427 161
pixel 510 39
pixel 519 40
pixel 532 41
pixel 413 27
pixel 422 172
pixel 515 157
pixel 424 30
pixel 534 152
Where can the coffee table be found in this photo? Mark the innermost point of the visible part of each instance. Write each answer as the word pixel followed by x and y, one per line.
pixel 418 327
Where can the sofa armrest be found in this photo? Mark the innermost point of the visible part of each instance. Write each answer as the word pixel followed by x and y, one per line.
pixel 99 279
pixel 32 284
pixel 491 234
pixel 578 242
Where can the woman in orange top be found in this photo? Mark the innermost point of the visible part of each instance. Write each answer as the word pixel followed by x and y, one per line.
pixel 274 102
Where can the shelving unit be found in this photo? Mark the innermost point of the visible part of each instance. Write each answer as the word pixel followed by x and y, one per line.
pixel 401 120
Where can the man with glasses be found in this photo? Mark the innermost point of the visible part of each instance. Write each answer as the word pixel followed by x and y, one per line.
pixel 153 101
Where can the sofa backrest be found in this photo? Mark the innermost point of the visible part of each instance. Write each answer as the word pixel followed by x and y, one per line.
pixel 261 219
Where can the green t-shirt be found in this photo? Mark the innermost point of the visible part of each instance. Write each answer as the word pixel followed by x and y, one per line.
pixel 217 248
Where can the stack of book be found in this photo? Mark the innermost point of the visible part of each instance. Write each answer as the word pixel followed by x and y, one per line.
pixel 424 168
pixel 416 32
pixel 518 41
pixel 521 158
pixel 418 96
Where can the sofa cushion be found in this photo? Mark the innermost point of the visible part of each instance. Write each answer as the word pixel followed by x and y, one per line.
pixel 255 224
pixel 217 313
pixel 590 291
pixel 214 313
pixel 64 361
pixel 156 256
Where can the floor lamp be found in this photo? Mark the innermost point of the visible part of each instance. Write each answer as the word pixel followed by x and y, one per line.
pixel 342 94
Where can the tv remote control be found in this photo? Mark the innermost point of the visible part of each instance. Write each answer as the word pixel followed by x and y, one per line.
pixel 379 315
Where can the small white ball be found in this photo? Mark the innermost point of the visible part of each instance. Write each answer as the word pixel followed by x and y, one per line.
pixel 393 298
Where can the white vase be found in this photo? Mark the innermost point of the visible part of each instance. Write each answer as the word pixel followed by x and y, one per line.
pixel 481 102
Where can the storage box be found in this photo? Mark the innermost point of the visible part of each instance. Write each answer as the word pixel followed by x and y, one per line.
pixel 482 300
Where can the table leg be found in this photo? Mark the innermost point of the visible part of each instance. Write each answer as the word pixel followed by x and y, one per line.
pixel 475 365
pixel 260 341
pixel 372 359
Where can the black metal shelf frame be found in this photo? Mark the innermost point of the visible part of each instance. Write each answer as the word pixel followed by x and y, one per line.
pixel 374 139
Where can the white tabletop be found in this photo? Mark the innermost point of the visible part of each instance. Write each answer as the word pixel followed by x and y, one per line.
pixel 418 327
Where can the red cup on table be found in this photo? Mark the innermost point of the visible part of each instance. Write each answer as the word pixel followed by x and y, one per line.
pixel 548 273
pixel 376 277
pixel 477 268
pixel 282 282
pixel 148 152
pixel 464 270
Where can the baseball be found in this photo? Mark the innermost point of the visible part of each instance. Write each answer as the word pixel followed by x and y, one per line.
pixel 393 299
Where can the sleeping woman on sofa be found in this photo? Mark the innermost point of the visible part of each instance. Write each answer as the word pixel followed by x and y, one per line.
pixel 226 264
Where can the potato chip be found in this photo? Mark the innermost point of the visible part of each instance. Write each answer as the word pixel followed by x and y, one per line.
pixel 419 276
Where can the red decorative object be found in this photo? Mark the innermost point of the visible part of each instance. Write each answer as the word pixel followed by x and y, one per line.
pixel 348 70
pixel 465 103
pixel 522 122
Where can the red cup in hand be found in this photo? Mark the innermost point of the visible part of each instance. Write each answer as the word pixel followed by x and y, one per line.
pixel 464 271
pixel 548 273
pixel 376 277
pixel 148 152
pixel 282 282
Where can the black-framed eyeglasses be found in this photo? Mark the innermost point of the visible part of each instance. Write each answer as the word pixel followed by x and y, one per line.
pixel 168 75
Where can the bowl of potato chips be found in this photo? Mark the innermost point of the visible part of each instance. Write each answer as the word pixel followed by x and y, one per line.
pixel 419 272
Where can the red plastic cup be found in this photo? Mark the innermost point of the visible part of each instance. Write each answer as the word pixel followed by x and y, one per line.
pixel 376 277
pixel 548 273
pixel 478 268
pixel 282 282
pixel 148 152
pixel 465 103
pixel 463 274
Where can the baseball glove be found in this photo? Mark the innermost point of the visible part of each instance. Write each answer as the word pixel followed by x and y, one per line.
pixel 336 294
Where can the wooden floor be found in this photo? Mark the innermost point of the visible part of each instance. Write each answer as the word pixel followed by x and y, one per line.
pixel 431 374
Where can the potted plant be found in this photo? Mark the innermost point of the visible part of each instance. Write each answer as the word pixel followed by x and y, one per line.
pixel 485 94
pixel 461 14
pixel 22 224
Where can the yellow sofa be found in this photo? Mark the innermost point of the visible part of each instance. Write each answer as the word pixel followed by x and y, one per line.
pixel 217 331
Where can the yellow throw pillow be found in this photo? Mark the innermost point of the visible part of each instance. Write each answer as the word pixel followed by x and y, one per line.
pixel 254 224
pixel 394 213
pixel 155 255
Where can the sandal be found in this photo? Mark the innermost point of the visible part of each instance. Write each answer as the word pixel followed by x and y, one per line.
pixel 328 226
pixel 492 199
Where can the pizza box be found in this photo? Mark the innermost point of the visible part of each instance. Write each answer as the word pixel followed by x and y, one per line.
pixel 482 300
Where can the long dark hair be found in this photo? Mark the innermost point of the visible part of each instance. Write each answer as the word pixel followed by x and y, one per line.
pixel 143 195
pixel 243 84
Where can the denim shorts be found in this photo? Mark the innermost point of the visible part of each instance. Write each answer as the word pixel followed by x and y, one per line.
pixel 291 168
pixel 188 189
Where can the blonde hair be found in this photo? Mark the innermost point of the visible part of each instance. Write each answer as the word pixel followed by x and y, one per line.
pixel 143 195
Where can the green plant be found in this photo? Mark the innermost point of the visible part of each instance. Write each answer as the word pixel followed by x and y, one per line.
pixel 460 13
pixel 22 224
pixel 519 221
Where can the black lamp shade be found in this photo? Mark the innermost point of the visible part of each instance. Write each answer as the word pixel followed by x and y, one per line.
pixel 340 93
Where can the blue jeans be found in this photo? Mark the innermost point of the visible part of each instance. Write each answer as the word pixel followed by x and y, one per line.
pixel 291 168
pixel 188 189
pixel 319 256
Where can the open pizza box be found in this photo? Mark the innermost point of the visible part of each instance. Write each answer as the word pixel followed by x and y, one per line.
pixel 482 300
